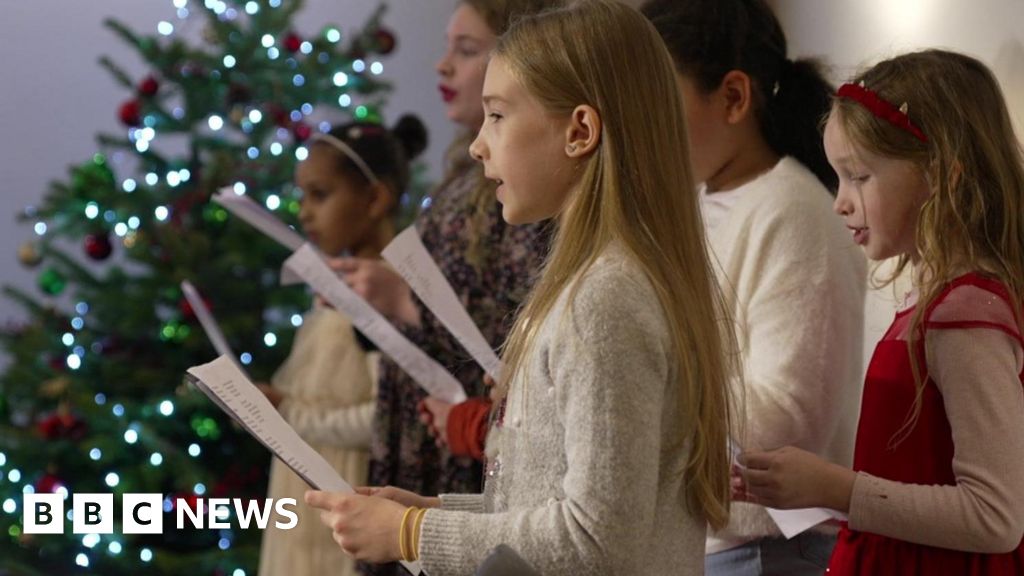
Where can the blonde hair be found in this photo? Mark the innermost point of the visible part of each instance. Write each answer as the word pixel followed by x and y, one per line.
pixel 637 189
pixel 497 14
pixel 974 218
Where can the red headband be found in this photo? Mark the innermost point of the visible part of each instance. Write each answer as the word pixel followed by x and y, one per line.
pixel 881 108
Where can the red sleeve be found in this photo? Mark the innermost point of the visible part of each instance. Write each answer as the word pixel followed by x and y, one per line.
pixel 467 427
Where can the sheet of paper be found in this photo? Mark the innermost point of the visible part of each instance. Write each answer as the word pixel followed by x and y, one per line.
pixel 796 521
pixel 424 370
pixel 260 218
pixel 228 387
pixel 206 320
pixel 410 258
pixel 793 522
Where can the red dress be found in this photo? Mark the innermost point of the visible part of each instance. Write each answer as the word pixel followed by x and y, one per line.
pixel 926 455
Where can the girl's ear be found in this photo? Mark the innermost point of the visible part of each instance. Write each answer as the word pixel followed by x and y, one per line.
pixel 382 201
pixel 737 94
pixel 583 133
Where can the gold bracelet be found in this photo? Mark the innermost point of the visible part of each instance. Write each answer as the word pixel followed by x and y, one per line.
pixel 401 533
pixel 414 541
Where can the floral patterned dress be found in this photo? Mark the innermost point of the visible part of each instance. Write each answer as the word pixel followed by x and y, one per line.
pixel 403 454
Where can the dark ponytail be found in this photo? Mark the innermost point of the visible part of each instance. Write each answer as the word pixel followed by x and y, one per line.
pixel 709 38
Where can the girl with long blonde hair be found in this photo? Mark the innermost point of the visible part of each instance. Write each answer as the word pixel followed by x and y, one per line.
pixel 489 264
pixel 931 172
pixel 611 456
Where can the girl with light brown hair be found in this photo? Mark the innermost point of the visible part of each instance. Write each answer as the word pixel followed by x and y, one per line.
pixel 931 172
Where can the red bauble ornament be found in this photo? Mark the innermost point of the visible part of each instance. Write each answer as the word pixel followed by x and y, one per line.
pixel 62 425
pixel 48 484
pixel 186 308
pixel 302 131
pixel 280 116
pixel 292 42
pixel 149 86
pixel 386 41
pixel 98 246
pixel 130 113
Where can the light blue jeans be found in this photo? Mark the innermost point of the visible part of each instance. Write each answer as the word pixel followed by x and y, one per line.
pixel 806 554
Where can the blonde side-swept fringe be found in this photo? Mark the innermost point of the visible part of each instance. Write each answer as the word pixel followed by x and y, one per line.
pixel 636 188
pixel 974 219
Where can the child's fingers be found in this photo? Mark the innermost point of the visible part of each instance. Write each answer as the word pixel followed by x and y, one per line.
pixel 367 490
pixel 755 460
pixel 758 479
pixel 319 499
pixel 426 416
pixel 488 381
pixel 344 265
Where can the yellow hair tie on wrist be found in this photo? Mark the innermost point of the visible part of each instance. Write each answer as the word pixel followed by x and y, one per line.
pixel 401 534
pixel 417 525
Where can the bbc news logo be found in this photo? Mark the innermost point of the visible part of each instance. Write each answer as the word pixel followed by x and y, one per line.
pixel 143 513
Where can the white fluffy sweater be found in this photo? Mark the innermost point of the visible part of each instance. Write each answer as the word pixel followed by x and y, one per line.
pixel 795 283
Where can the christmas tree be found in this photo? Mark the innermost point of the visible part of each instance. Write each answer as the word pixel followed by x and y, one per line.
pixel 93 400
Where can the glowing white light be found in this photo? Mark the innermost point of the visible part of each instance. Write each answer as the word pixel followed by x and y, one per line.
pixel 273 202
pixel 216 122
pixel 165 28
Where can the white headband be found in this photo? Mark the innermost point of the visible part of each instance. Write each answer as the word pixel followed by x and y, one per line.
pixel 350 154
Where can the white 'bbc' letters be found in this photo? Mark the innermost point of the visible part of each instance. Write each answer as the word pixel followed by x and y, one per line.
pixel 42 513
pixel 93 514
pixel 142 514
